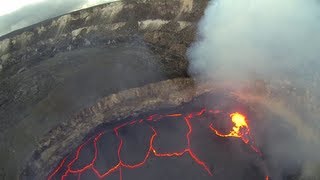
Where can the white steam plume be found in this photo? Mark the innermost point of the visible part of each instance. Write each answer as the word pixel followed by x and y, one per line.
pixel 270 37
pixel 272 40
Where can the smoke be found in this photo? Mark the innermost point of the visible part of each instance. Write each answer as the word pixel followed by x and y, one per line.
pixel 275 41
pixel 266 37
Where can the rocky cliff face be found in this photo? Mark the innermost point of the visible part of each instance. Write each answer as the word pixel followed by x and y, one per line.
pixel 53 69
pixel 161 22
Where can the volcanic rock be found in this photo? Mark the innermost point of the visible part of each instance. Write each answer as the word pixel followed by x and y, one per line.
pixel 53 69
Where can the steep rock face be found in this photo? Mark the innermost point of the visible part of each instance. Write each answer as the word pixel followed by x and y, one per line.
pixel 166 27
pixel 51 70
pixel 161 22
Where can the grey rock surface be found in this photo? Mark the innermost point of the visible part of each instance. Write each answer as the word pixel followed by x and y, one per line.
pixel 53 69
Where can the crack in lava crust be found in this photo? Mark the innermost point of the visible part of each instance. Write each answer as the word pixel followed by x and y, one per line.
pixel 66 168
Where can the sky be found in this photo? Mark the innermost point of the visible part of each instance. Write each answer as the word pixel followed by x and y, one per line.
pixel 16 14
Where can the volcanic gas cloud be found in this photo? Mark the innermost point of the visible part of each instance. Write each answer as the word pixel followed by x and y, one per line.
pixel 276 42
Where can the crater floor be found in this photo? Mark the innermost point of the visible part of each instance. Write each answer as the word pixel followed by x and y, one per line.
pixel 176 143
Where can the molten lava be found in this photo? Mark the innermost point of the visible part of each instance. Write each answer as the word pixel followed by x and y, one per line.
pixel 66 167
pixel 240 128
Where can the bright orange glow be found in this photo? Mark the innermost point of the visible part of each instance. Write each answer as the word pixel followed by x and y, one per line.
pixel 174 115
pixel 240 122
pixel 240 129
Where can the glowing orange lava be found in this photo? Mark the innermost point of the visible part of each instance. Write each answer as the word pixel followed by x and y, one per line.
pixel 239 130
